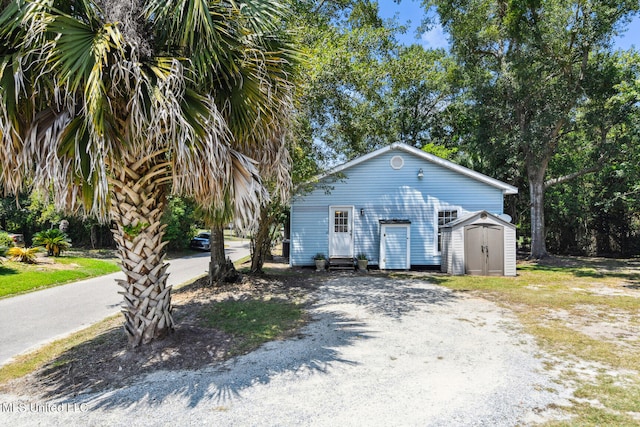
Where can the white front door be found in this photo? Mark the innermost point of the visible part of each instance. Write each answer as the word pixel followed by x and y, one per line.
pixel 341 231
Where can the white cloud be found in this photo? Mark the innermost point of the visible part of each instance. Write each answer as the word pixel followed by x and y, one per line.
pixel 435 38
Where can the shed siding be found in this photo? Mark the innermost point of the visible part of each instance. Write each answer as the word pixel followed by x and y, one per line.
pixel 509 251
pixel 455 263
pixel 387 193
pixel 455 255
pixel 445 262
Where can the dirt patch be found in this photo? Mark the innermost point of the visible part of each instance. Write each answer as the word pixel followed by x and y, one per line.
pixel 615 326
pixel 106 362
pixel 47 263
pixel 107 254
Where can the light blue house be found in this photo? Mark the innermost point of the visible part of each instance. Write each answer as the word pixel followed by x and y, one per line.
pixel 391 205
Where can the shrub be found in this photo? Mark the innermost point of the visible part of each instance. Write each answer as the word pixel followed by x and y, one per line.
pixel 181 221
pixel 53 240
pixel 5 240
pixel 26 255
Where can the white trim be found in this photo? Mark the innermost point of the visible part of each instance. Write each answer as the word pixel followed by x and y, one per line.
pixel 382 263
pixel 472 217
pixel 444 208
pixel 351 209
pixel 290 237
pixel 506 188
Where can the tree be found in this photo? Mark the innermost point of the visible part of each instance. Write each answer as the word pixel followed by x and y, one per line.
pixel 53 240
pixel 181 219
pixel 362 89
pixel 220 269
pixel 116 104
pixel 527 65
pixel 420 89
pixel 596 213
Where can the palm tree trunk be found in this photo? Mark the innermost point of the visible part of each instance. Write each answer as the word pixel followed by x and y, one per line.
pixel 136 207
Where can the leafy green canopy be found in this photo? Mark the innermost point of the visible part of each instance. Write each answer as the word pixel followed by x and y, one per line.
pixel 528 67
pixel 362 89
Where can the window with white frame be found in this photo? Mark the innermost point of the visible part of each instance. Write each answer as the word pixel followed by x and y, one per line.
pixel 445 217
pixel 341 222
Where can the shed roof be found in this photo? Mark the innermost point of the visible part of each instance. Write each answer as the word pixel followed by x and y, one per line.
pixel 506 188
pixel 473 216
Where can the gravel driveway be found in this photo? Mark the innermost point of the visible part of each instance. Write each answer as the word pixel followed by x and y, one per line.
pixel 379 352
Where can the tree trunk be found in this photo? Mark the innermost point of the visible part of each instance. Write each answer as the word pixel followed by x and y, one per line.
pixel 536 192
pixel 261 241
pixel 94 236
pixel 221 269
pixel 136 207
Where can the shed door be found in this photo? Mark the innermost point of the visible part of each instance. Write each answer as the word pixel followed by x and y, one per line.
pixel 484 250
pixel 341 231
pixel 394 247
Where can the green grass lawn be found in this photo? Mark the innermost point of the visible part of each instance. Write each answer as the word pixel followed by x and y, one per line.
pixel 253 322
pixel 17 278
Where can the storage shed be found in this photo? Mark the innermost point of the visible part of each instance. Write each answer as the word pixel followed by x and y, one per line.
pixel 479 243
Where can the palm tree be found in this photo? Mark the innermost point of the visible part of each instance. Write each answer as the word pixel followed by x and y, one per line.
pixel 115 104
pixel 53 240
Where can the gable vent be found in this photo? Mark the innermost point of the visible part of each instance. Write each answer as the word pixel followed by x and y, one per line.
pixel 397 162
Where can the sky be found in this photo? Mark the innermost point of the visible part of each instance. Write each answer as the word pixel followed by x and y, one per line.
pixel 410 10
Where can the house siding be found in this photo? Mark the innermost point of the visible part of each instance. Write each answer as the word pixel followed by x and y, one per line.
pixel 386 193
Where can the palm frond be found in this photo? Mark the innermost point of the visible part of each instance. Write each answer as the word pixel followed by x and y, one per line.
pixel 26 255
pixel 100 100
pixel 246 190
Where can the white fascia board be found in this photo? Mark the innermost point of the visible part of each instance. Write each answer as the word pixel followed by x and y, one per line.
pixel 506 188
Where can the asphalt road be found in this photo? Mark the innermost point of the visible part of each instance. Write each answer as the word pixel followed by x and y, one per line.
pixel 31 320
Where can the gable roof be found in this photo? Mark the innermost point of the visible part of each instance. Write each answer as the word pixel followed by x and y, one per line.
pixel 472 216
pixel 506 188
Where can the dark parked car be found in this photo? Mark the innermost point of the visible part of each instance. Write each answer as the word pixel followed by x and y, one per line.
pixel 201 241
